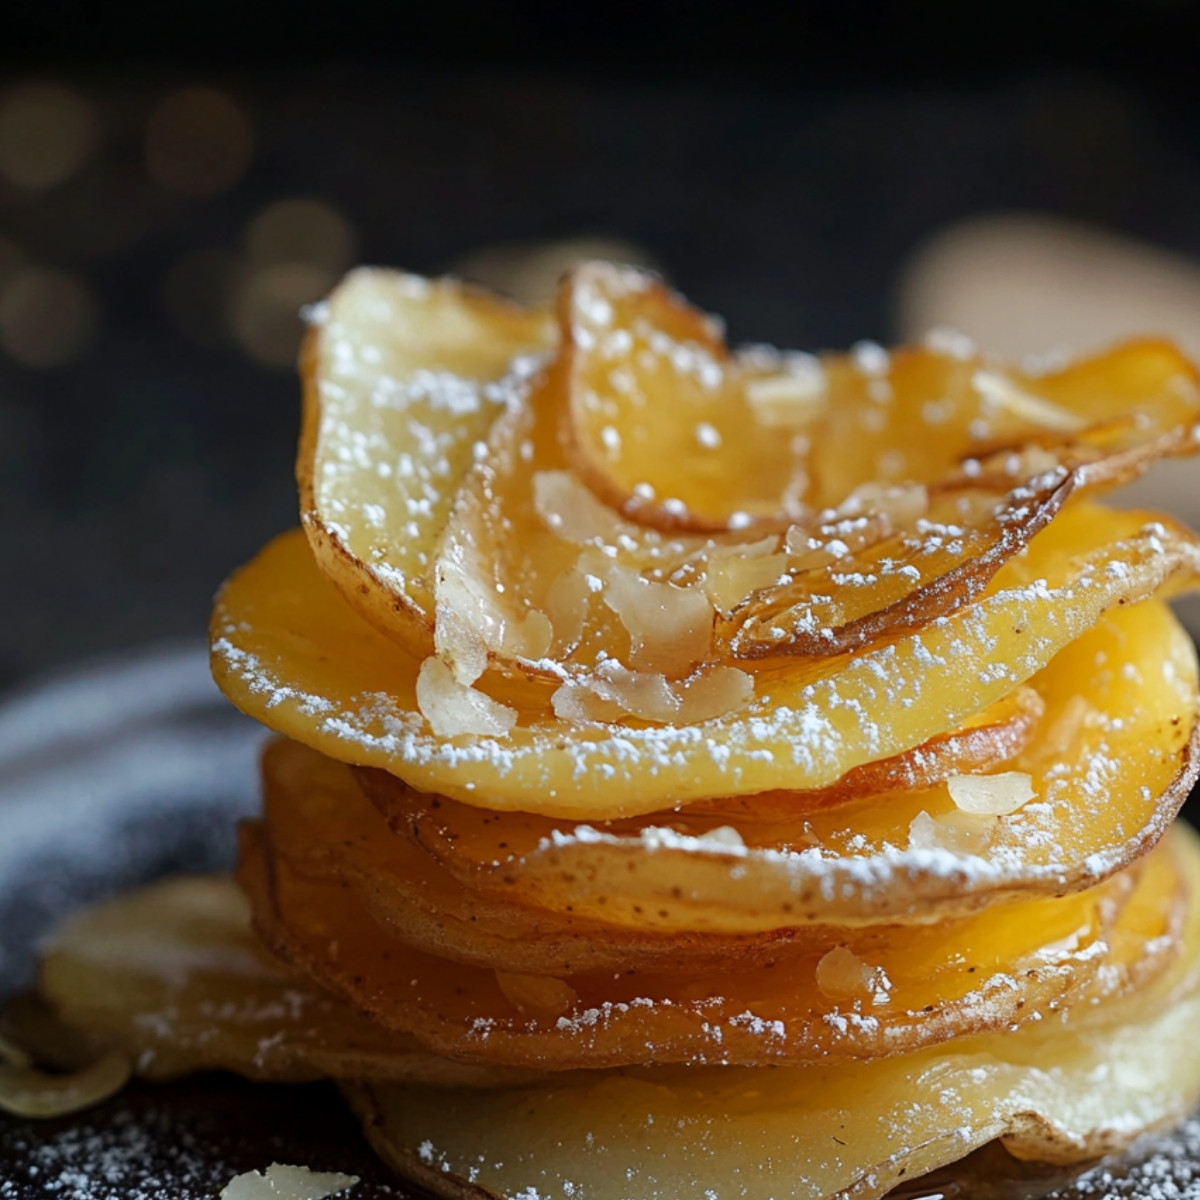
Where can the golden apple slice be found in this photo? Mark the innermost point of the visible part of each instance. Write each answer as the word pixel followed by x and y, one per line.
pixel 980 744
pixel 618 1134
pixel 1114 756
pixel 655 421
pixel 318 822
pixel 927 414
pixel 172 976
pixel 402 377
pixel 857 993
pixel 1056 1091
pixel 663 423
pixel 937 560
pixel 289 651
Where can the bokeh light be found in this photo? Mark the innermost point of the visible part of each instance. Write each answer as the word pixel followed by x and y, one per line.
pixel 301 230
pixel 48 317
pixel 198 142
pixel 266 310
pixel 296 249
pixel 530 271
pixel 47 133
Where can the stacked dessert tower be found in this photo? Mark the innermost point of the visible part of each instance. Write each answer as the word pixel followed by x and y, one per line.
pixel 712 774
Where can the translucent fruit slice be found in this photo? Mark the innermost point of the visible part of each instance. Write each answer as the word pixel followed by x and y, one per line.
pixel 858 993
pixel 665 425
pixel 1112 759
pixel 830 599
pixel 289 651
pixel 812 1133
pixel 317 821
pixel 172 976
pixel 656 420
pixel 927 414
pixel 402 377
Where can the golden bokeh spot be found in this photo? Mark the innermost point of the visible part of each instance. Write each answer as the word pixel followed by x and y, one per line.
pixel 47 317
pixel 266 310
pixel 301 230
pixel 199 142
pixel 529 271
pixel 47 133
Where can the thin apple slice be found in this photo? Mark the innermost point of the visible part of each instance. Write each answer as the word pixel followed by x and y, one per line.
pixel 173 977
pixel 847 1130
pixel 1111 761
pixel 655 421
pixel 860 993
pixel 289 651
pixel 982 744
pixel 317 821
pixel 402 378
pixel 926 414
pixel 929 566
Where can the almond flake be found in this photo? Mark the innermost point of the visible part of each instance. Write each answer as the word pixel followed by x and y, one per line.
pixel 452 708
pixel 991 795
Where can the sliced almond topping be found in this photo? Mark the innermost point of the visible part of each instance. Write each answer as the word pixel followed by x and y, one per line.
pixel 729 579
pixel 958 832
pixel 570 510
pixel 670 628
pixel 456 636
pixel 991 795
pixel 790 399
pixel 280 1182
pixel 842 975
pixel 612 692
pixel 452 708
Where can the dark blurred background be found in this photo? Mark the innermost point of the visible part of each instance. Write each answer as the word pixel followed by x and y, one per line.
pixel 176 182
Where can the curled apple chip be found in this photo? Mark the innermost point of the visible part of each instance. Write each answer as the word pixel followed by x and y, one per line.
pixel 830 1129
pixel 444 454
pixel 317 821
pixel 289 651
pixel 663 423
pixel 402 378
pixel 657 420
pixel 830 598
pixel 980 744
pixel 897 988
pixel 174 979
pixel 28 1091
pixel 1113 757
pixel 947 413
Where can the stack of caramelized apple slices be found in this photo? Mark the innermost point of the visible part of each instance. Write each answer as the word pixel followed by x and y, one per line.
pixel 654 715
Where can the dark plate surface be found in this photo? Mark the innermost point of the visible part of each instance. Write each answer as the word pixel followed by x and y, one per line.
pixel 109 777
pixel 135 768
